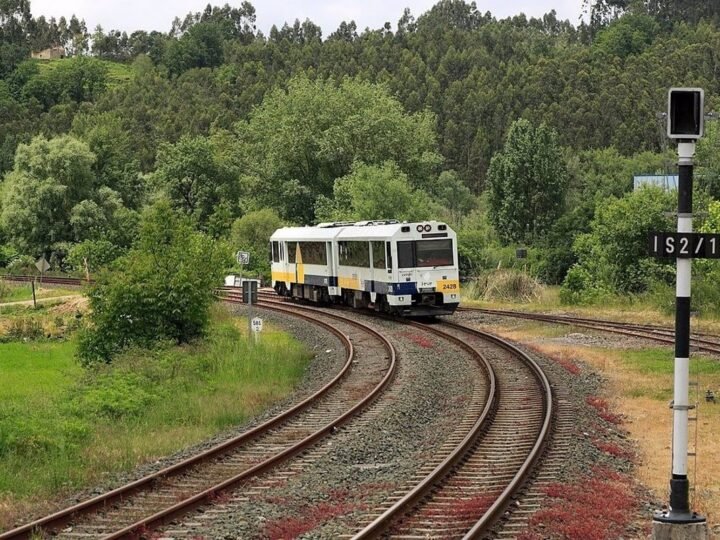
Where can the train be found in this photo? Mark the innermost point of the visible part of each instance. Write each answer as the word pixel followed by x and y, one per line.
pixel 407 269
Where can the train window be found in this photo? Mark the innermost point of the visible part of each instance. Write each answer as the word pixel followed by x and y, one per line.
pixel 378 253
pixel 313 252
pixel 406 258
pixel 275 248
pixel 292 250
pixel 282 251
pixel 388 252
pixel 354 254
pixel 434 253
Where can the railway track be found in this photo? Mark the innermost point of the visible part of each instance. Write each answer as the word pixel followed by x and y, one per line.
pixel 699 342
pixel 130 511
pixel 48 280
pixel 469 485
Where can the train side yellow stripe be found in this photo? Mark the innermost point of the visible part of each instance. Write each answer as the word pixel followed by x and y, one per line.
pixel 349 283
pixel 283 276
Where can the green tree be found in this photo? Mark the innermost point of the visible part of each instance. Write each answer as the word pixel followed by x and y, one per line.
pixel 375 192
pixel 194 179
pixel 252 233
pixel 49 178
pixel 161 290
pixel 116 165
pixel 527 182
pixel 299 141
pixel 614 253
pixel 92 255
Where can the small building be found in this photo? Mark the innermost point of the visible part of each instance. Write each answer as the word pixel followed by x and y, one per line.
pixel 51 53
pixel 668 182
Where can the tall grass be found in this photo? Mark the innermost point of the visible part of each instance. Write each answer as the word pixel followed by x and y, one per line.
pixel 507 285
pixel 69 427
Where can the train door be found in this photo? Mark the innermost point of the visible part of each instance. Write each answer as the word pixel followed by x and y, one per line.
pixel 330 261
pixel 378 272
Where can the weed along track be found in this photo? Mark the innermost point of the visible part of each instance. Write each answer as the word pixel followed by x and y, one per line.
pixel 132 510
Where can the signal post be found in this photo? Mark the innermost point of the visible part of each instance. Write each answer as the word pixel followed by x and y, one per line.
pixel 685 124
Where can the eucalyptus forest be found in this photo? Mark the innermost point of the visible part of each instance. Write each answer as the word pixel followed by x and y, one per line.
pixel 519 132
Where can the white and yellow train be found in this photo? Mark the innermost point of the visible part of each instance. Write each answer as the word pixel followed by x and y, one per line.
pixel 403 268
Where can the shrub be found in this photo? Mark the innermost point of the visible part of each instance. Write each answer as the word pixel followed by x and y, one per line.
pixel 7 255
pixel 97 253
pixel 161 290
pixel 579 287
pixel 25 328
pixel 29 433
pixel 23 264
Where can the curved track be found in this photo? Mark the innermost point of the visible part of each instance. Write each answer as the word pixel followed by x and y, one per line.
pixel 154 500
pixel 489 457
pixel 466 488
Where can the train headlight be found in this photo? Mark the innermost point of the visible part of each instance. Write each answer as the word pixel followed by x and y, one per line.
pixel 419 228
pixel 427 228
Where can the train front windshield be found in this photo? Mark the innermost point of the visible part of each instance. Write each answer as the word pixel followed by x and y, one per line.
pixel 425 253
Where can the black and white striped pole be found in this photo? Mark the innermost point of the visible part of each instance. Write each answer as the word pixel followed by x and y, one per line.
pixel 685 123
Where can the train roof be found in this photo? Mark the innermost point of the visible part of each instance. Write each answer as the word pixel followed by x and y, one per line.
pixel 344 230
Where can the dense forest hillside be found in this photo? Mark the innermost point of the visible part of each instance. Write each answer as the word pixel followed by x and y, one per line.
pixel 451 114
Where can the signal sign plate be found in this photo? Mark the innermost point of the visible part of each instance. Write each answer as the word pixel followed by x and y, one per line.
pixel 256 324
pixel 673 245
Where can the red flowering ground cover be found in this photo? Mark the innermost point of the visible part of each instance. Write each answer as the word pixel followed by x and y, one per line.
pixel 597 507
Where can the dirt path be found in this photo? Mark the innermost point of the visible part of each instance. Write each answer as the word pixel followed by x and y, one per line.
pixel 40 300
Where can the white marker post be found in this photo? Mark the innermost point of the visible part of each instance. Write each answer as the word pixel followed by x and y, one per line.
pixel 256 324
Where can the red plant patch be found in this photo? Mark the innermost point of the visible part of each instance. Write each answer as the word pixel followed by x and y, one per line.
pixel 569 365
pixel 603 409
pixel 614 450
pixel 293 527
pixel 423 341
pixel 595 508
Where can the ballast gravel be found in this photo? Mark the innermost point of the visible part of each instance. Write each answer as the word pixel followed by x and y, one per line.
pixel 354 471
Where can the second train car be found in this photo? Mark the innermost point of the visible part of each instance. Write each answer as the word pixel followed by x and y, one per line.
pixel 408 269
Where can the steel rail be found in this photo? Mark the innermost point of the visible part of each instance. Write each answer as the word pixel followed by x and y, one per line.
pixel 62 517
pixel 50 280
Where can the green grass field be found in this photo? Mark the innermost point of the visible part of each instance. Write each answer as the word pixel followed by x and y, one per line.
pixel 117 73
pixel 62 427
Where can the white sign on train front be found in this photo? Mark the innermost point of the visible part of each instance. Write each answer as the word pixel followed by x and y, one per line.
pixel 257 324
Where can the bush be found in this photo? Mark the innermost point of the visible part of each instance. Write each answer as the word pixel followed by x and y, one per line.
pixel 161 290
pixel 580 287
pixel 97 253
pixel 26 328
pixel 113 395
pixel 27 433
pixel 23 264
pixel 7 255
pixel 504 285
